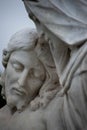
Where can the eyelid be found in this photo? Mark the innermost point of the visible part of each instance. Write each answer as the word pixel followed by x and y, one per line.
pixel 17 65
pixel 32 73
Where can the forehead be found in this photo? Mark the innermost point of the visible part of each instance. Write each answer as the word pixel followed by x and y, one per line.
pixel 25 57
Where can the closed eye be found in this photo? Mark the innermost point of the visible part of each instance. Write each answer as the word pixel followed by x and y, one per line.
pixel 17 66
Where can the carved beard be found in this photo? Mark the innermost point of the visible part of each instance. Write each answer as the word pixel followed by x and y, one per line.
pixel 17 102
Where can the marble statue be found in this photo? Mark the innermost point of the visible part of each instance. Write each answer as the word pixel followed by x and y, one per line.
pixel 29 81
pixel 64 24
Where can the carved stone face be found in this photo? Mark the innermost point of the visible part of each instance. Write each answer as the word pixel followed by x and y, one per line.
pixel 25 75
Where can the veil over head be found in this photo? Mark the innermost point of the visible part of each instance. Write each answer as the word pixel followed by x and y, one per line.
pixel 67 19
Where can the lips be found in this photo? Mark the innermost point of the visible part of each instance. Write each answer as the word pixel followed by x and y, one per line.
pixel 18 91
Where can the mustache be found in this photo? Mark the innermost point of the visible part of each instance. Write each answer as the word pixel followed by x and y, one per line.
pixel 19 90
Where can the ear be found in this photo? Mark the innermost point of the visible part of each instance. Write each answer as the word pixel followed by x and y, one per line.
pixel 5 57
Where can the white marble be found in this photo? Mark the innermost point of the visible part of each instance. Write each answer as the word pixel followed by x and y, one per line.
pixel 64 24
pixel 29 82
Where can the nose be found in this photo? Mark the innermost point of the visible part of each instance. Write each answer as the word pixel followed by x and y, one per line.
pixel 23 78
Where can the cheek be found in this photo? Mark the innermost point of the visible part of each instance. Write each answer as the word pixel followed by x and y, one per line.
pixel 10 78
pixel 11 73
pixel 34 86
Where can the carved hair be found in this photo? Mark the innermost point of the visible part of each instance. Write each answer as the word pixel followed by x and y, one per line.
pixel 28 39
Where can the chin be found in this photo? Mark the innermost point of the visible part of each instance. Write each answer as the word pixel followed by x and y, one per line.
pixel 20 106
pixel 19 103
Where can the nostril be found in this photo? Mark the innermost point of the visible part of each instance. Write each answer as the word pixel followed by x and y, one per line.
pixel 21 82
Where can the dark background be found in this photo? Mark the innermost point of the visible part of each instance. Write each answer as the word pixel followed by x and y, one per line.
pixel 2 101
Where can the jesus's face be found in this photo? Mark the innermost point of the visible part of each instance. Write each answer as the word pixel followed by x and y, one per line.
pixel 25 75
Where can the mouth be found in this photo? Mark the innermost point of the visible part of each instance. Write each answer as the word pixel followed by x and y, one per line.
pixel 18 91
